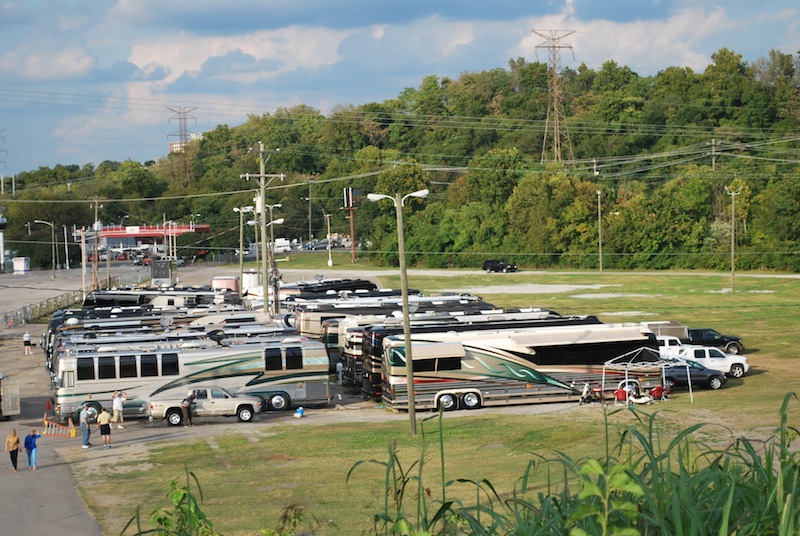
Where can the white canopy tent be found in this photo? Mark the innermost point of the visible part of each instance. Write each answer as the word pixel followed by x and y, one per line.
pixel 645 359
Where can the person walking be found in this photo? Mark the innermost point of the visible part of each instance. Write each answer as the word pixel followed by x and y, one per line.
pixel 12 447
pixel 86 430
pixel 26 342
pixel 30 447
pixel 117 403
pixel 104 422
pixel 186 408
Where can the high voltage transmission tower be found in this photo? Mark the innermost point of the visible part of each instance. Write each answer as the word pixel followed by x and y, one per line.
pixel 182 116
pixel 556 137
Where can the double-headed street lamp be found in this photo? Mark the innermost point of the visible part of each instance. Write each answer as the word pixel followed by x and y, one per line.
pixel 241 211
pixel 273 271
pixel 52 244
pixel 398 201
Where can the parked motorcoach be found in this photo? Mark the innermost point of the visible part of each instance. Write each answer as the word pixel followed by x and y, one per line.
pixel 459 375
pixel 285 372
pixel 465 326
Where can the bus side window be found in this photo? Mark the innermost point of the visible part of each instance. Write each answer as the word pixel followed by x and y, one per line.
pixel 424 365
pixel 148 365
pixel 67 379
pixel 449 363
pixel 169 365
pixel 106 367
pixel 127 366
pixel 85 368
pixel 294 358
pixel 272 359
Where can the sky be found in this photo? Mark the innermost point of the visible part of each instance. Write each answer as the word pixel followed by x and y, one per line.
pixel 83 81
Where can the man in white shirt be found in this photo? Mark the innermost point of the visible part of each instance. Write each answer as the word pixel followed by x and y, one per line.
pixel 117 402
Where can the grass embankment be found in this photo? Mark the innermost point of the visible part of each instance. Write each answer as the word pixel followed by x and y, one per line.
pixel 249 477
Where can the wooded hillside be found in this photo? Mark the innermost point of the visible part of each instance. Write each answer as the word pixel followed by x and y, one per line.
pixel 668 155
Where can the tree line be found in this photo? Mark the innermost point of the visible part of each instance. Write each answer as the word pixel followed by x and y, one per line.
pixel 659 172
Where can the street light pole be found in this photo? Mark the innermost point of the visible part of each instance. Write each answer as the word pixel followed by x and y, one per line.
pixel 273 271
pixel 52 245
pixel 328 221
pixel 599 231
pixel 241 211
pixel 398 205
pixel 733 195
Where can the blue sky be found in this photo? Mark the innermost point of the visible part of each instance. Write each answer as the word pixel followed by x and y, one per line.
pixel 82 81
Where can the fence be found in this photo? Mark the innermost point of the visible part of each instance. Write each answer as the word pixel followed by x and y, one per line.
pixel 35 311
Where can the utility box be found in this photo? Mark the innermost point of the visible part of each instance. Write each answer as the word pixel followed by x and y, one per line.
pixel 162 274
pixel 22 265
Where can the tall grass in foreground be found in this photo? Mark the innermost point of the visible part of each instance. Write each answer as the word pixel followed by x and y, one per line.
pixel 645 485
pixel 683 487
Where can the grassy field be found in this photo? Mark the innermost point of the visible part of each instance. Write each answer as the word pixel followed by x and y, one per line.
pixel 250 476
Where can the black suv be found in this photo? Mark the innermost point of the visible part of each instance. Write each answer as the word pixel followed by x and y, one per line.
pixel 498 266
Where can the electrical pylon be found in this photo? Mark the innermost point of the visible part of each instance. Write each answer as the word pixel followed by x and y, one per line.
pixel 556 136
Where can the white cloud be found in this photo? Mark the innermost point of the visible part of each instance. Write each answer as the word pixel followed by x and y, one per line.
pixel 646 46
pixel 46 59
pixel 291 48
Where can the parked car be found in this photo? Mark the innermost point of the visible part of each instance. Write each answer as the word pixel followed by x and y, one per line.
pixel 498 266
pixel 134 409
pixel 709 337
pixel 676 375
pixel 715 359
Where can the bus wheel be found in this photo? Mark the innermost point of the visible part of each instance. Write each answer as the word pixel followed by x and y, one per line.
pixel 471 401
pixel 447 402
pixel 174 417
pixel 279 402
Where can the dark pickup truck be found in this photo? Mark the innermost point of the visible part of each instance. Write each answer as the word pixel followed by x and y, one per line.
pixel 709 337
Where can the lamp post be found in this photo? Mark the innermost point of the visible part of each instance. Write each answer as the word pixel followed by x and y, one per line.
pixel 599 231
pixel 241 211
pixel 273 271
pixel 52 245
pixel 191 222
pixel 274 278
pixel 398 201
pixel 328 221
pixel 733 195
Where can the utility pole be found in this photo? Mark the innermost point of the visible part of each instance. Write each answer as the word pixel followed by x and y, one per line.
pixel 733 195
pixel 556 136
pixel 261 201
pixel 95 248
pixel 714 154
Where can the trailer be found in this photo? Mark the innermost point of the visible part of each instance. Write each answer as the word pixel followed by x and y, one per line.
pixel 9 404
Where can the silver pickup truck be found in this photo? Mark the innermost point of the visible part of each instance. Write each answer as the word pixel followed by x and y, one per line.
pixel 208 402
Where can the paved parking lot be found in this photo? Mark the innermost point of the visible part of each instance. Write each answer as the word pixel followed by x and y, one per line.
pixel 45 500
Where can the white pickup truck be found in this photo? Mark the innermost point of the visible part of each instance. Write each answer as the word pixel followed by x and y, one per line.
pixel 208 402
